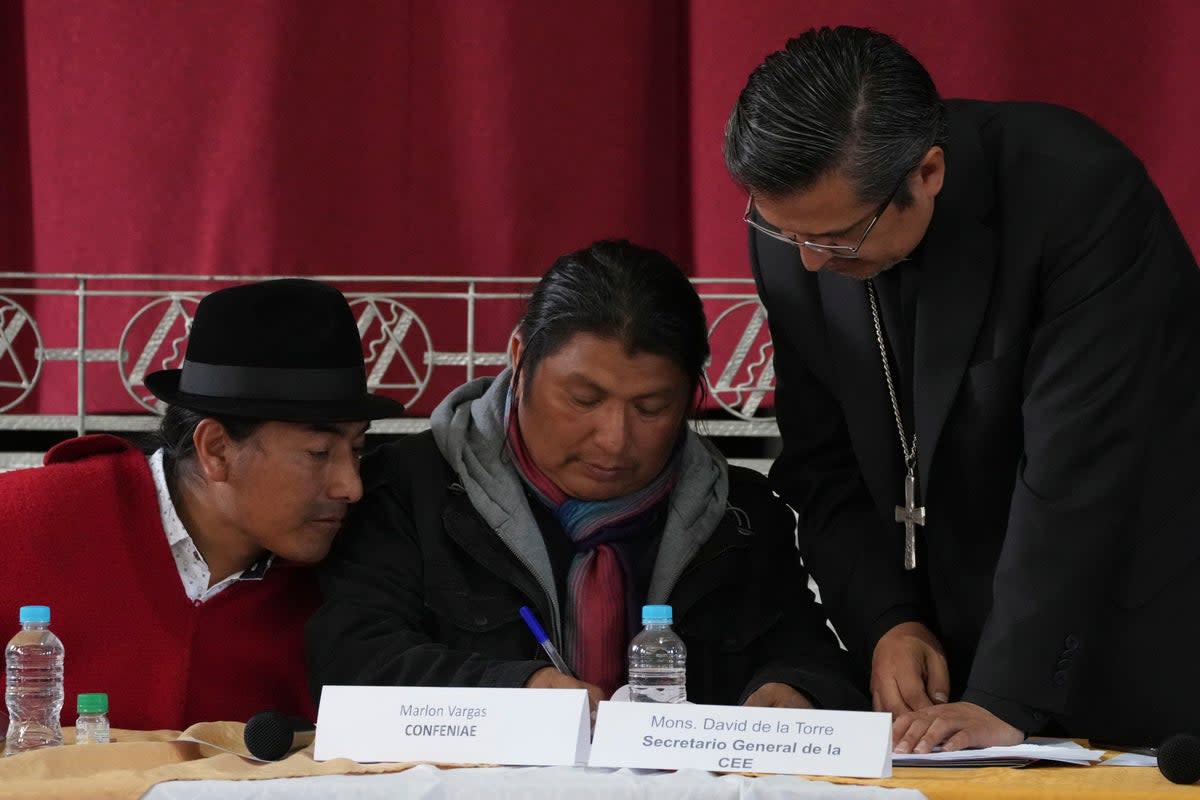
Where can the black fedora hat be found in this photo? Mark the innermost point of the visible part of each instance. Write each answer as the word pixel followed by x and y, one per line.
pixel 286 350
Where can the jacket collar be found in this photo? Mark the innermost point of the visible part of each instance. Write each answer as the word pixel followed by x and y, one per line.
pixel 693 511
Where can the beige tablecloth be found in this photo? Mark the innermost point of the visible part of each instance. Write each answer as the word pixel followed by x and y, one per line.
pixel 136 760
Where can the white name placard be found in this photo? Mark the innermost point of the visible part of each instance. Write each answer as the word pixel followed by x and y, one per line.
pixel 852 744
pixel 520 727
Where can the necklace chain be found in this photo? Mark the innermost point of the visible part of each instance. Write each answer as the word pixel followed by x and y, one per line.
pixel 908 451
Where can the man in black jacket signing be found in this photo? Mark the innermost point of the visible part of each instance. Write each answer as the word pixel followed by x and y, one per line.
pixel 572 483
pixel 986 346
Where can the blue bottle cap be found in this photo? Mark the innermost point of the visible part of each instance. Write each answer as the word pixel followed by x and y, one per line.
pixel 657 614
pixel 35 614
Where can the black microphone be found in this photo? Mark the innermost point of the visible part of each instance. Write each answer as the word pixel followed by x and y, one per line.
pixel 1179 758
pixel 270 735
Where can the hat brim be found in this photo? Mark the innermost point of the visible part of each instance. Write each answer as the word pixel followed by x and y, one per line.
pixel 164 385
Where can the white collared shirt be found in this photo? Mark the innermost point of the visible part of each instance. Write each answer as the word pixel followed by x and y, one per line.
pixel 193 569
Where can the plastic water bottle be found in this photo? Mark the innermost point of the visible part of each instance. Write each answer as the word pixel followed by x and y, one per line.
pixel 34 688
pixel 92 725
pixel 657 660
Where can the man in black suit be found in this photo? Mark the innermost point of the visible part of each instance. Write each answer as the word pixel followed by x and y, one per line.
pixel 987 347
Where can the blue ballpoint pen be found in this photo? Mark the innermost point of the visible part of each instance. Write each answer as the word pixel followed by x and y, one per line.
pixel 544 640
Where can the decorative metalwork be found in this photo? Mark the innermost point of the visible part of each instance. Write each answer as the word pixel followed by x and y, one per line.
pixel 163 348
pixel 747 376
pixel 139 323
pixel 17 327
pixel 383 325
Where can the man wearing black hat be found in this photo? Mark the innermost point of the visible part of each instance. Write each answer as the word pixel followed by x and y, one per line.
pixel 177 581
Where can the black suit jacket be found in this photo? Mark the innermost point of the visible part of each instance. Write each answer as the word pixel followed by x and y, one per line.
pixel 1056 368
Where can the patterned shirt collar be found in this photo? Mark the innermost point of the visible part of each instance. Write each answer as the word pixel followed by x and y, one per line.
pixel 193 570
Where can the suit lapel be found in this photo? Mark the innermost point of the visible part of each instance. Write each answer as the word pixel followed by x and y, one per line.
pixel 957 268
pixel 863 390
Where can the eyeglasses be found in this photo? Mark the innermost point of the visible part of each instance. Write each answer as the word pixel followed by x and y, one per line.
pixel 840 250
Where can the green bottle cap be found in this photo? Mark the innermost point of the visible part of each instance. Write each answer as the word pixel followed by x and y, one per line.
pixel 96 703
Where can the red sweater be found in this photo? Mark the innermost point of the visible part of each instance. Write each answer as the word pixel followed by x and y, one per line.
pixel 83 535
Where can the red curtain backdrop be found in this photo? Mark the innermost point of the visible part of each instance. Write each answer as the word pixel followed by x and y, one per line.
pixel 481 137
pixel 364 137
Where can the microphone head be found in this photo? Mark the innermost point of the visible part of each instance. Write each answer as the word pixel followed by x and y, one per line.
pixel 1179 758
pixel 269 735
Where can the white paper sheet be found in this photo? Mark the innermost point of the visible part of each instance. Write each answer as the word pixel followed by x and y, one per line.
pixel 1131 760
pixel 1062 751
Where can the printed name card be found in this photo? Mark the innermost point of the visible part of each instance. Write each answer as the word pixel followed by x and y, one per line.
pixel 520 727
pixel 852 744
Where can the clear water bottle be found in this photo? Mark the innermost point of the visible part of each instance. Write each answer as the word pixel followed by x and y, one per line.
pixel 34 688
pixel 92 725
pixel 657 660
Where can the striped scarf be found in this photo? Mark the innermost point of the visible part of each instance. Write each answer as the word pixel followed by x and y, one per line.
pixel 599 587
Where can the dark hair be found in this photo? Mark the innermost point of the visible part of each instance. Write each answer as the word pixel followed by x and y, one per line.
pixel 617 290
pixel 844 99
pixel 177 428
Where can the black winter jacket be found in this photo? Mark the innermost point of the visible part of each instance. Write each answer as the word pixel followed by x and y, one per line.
pixel 420 591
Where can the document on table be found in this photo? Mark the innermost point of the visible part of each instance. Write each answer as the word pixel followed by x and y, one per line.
pixel 1063 751
pixel 1132 760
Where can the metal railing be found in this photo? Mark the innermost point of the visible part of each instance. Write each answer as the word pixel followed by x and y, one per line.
pixel 75 348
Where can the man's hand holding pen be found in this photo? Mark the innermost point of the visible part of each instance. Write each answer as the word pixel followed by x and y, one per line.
pixel 551 678
pixel 559 676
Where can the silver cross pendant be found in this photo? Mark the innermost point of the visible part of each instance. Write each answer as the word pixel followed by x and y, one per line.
pixel 911 515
